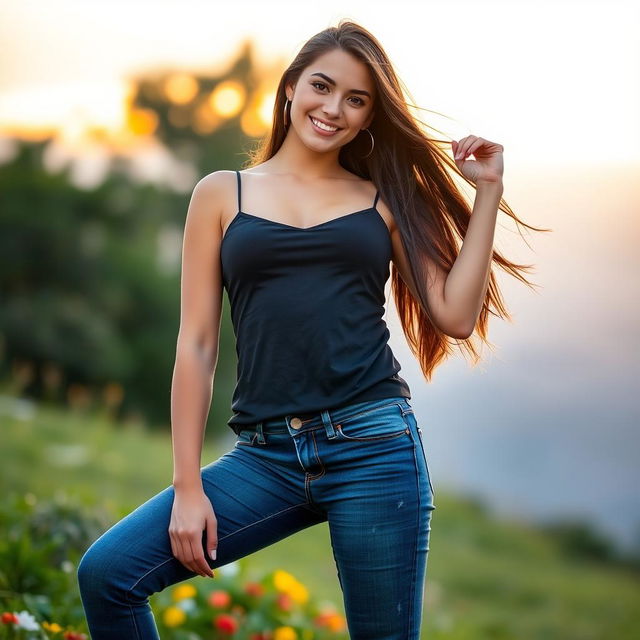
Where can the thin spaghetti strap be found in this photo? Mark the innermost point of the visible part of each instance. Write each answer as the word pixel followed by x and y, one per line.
pixel 376 199
pixel 239 192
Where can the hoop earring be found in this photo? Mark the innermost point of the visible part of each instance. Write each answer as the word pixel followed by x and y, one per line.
pixel 373 142
pixel 286 102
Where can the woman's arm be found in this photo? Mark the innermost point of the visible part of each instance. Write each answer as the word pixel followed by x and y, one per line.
pixel 466 285
pixel 197 344
pixel 455 298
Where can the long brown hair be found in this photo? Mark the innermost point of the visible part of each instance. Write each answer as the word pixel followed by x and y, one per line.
pixel 410 170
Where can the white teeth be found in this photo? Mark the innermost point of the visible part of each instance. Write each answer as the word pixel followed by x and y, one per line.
pixel 323 126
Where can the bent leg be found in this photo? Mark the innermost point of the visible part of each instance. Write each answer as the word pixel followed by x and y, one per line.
pixel 132 560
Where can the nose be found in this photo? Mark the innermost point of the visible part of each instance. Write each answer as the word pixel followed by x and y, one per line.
pixel 332 109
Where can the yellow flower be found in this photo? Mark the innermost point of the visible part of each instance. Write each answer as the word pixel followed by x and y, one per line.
pixel 54 627
pixel 174 616
pixel 183 591
pixel 285 633
pixel 282 580
pixel 299 592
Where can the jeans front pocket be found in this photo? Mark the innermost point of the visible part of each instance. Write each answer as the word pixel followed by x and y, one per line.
pixel 380 423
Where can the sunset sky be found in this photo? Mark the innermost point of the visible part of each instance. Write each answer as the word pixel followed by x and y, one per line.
pixel 549 422
pixel 555 82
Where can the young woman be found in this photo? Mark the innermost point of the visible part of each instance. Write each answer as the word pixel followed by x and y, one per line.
pixel 302 241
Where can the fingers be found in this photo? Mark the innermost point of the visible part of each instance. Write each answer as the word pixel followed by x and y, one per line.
pixel 198 559
pixel 212 536
pixel 187 549
pixel 463 148
pixel 474 146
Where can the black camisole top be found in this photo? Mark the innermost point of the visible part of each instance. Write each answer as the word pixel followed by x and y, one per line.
pixel 307 308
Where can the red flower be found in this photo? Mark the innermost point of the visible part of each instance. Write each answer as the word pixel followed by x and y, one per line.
pixel 225 623
pixel 219 599
pixel 254 589
pixel 8 617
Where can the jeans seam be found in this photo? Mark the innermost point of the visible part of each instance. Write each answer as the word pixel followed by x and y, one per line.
pixel 317 475
pixel 426 464
pixel 133 617
pixel 412 590
pixel 142 577
pixel 272 515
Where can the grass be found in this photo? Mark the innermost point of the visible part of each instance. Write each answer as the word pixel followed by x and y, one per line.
pixel 487 577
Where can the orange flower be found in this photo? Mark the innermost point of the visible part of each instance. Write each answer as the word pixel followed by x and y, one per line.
pixel 225 623
pixel 219 599
pixel 323 618
pixel 336 622
pixel 284 601
pixel 254 589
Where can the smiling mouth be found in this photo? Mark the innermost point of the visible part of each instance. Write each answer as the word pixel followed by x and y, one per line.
pixel 320 125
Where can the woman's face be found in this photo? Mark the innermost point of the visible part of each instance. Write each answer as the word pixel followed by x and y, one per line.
pixel 338 90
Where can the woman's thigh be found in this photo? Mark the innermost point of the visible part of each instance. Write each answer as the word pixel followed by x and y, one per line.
pixel 253 506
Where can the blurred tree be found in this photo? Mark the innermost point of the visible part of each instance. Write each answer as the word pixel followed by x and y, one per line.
pixel 90 278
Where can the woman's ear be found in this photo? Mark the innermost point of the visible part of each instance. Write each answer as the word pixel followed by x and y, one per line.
pixel 369 120
pixel 289 88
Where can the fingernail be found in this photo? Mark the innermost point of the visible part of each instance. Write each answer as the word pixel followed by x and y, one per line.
pixel 212 553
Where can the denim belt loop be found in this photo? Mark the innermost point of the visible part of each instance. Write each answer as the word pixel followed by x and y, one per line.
pixel 405 408
pixel 260 433
pixel 328 425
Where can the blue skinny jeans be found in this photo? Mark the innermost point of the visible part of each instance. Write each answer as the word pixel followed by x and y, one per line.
pixel 361 467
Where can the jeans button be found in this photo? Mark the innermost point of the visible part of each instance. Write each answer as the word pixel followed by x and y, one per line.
pixel 296 423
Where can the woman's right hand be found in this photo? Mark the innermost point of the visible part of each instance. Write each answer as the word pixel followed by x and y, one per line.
pixel 191 514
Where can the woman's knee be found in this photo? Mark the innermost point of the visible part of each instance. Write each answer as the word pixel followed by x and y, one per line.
pixel 97 571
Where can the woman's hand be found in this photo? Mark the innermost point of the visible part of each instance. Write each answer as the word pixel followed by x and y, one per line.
pixel 192 512
pixel 488 165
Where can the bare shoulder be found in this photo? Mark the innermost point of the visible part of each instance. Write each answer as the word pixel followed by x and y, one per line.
pixel 216 191
pixel 217 183
pixel 386 214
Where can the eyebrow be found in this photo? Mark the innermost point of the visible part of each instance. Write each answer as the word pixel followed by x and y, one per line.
pixel 333 82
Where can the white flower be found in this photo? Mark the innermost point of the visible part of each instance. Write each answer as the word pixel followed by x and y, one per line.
pixel 187 604
pixel 26 621
pixel 67 567
pixel 230 569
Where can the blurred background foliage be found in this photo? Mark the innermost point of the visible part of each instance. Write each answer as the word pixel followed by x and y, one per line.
pixel 90 277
